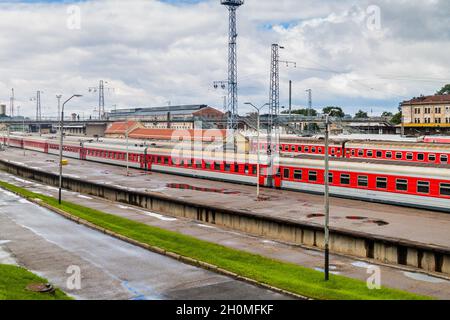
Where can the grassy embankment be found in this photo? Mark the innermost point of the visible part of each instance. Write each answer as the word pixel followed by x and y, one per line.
pixel 287 276
pixel 14 281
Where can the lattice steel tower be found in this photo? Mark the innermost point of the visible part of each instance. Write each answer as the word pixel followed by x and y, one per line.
pixel 232 63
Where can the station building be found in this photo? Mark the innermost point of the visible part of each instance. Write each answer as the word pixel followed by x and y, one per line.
pixel 427 115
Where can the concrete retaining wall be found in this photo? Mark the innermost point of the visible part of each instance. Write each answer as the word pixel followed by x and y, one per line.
pixel 386 250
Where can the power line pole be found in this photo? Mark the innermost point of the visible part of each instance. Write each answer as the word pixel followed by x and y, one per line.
pixel 233 5
pixel 11 103
pixel 101 97
pixel 309 113
pixel 59 105
pixel 274 107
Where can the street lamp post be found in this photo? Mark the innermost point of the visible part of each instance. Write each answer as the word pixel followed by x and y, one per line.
pixel 327 196
pixel 61 129
pixel 258 153
pixel 126 136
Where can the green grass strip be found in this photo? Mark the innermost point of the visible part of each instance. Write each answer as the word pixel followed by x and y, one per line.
pixel 13 283
pixel 283 275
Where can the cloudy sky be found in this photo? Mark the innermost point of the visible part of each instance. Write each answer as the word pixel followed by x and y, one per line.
pixel 361 54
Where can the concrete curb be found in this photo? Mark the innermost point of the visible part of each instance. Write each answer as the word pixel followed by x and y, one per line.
pixel 175 256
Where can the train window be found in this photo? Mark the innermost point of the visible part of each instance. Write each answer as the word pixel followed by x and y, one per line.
pixel 423 187
pixel 208 165
pixel 216 166
pixel 401 185
pixel 286 173
pixel 306 149
pixel 398 155
pixel 381 183
pixel 319 150
pixel 293 148
pixel 330 177
pixel 345 179
pixel 409 156
pixel 254 170
pixel 420 156
pixel 227 167
pixel 361 153
pixel 281 148
pixel 247 169
pixel 444 158
pixel 363 181
pixel 445 189
pixel 379 154
pixel 298 174
pixel 313 150
pixel 389 155
pixel 353 152
pixel 431 157
pixel 312 176
pixel 333 151
pixel 166 160
pixel 370 153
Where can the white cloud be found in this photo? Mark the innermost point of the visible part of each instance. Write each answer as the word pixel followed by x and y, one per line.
pixel 153 52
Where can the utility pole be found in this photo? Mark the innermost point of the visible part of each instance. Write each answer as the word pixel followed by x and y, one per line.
pixel 274 108
pixel 327 198
pixel 309 113
pixel 232 5
pixel 11 103
pixel 59 105
pixel 38 108
pixel 101 97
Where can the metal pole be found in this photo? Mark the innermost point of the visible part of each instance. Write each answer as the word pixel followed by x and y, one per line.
pixel 327 200
pixel 259 161
pixel 126 136
pixel 61 135
pixel 290 99
pixel 61 141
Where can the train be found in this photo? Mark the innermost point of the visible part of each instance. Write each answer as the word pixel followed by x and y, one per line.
pixel 427 188
pixel 421 153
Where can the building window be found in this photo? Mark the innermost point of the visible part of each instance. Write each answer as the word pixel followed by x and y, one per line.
pixel 402 185
pixel 423 187
pixel 381 183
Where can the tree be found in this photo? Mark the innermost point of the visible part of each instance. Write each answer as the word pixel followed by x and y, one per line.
pixel 337 113
pixel 387 114
pixel 361 115
pixel 445 89
pixel 397 118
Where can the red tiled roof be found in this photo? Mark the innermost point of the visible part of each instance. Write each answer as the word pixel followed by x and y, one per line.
pixel 169 134
pixel 443 98
pixel 121 127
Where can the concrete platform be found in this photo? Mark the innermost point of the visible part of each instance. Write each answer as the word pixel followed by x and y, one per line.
pixel 427 227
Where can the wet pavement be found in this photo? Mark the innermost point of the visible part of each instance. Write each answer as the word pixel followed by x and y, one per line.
pixel 50 245
pixel 390 276
pixel 376 219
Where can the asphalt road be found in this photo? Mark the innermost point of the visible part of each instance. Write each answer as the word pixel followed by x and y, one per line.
pixel 48 245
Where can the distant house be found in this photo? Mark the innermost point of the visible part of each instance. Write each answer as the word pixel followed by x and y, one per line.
pixel 119 129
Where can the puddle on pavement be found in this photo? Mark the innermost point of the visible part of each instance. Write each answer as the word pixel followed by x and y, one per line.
pixel 201 189
pixel 315 215
pixel 423 277
pixel 368 220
